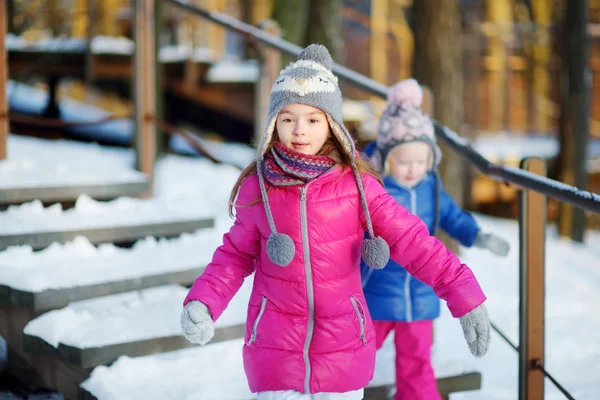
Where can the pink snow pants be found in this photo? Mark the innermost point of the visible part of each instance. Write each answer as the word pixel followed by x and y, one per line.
pixel 415 379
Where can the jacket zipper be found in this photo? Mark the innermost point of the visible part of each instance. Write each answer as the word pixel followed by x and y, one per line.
pixel 360 313
pixel 407 296
pixel 263 304
pixel 309 286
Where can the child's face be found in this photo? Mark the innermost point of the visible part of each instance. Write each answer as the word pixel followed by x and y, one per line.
pixel 409 162
pixel 302 128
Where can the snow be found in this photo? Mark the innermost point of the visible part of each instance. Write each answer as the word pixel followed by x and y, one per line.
pixel 231 70
pixel 100 45
pixel 33 162
pixel 573 281
pixel 88 213
pixel 79 263
pixel 510 148
pixel 181 184
pixel 209 372
pixel 127 317
pixel 572 345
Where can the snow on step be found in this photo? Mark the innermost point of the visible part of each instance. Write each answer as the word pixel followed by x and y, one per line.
pixel 214 371
pixel 97 331
pixel 233 71
pixel 123 219
pixel 78 270
pixel 58 170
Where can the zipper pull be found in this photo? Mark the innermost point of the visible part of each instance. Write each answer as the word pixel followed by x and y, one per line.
pixel 303 193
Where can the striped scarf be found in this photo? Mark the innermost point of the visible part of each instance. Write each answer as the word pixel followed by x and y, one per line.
pixel 286 167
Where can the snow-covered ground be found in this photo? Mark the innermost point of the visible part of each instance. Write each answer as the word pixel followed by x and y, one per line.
pixel 572 341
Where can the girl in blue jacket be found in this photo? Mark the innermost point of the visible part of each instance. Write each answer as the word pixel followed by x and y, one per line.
pixel 406 153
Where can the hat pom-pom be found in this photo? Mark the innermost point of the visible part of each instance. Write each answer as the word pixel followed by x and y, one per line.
pixel 317 53
pixel 375 252
pixel 280 249
pixel 407 91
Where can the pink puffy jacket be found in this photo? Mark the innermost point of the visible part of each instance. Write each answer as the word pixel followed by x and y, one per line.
pixel 308 328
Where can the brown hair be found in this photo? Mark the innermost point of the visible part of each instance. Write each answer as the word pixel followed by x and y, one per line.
pixel 331 144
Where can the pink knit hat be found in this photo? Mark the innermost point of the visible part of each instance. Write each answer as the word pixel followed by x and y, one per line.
pixel 403 122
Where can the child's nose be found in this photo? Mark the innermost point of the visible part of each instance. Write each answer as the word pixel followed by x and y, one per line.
pixel 298 129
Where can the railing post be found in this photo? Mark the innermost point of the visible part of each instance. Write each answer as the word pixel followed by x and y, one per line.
pixel 144 87
pixel 532 238
pixel 270 64
pixel 3 80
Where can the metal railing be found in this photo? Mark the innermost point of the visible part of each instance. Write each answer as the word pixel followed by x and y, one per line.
pixel 532 206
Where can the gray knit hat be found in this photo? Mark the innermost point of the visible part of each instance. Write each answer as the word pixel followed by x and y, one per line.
pixel 309 81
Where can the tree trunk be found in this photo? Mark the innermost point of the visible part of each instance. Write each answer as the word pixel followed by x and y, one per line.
pixel 292 17
pixel 575 110
pixel 311 21
pixel 438 65
pixel 325 26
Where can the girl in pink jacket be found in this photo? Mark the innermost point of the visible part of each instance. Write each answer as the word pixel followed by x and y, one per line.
pixel 301 210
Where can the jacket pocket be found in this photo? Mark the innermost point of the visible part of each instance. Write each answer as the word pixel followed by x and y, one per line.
pixel 263 305
pixel 362 320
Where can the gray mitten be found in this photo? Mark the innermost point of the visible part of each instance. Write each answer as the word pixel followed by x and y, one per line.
pixel 196 323
pixel 493 243
pixel 476 328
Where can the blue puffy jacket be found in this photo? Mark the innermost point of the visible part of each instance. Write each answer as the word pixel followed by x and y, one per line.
pixel 392 294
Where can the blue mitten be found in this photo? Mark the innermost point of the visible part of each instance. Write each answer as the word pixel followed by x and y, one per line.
pixel 196 323
pixel 476 328
pixel 493 243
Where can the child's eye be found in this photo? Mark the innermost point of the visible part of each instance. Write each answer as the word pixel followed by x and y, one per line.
pixel 286 120
pixel 314 121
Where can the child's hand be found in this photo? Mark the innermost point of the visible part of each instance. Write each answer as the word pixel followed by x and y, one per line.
pixel 476 328
pixel 196 323
pixel 493 243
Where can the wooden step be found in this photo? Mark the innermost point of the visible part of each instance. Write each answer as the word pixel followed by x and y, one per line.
pixel 54 277
pixel 446 386
pixel 61 170
pixel 98 331
pixel 119 221
pixel 49 193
